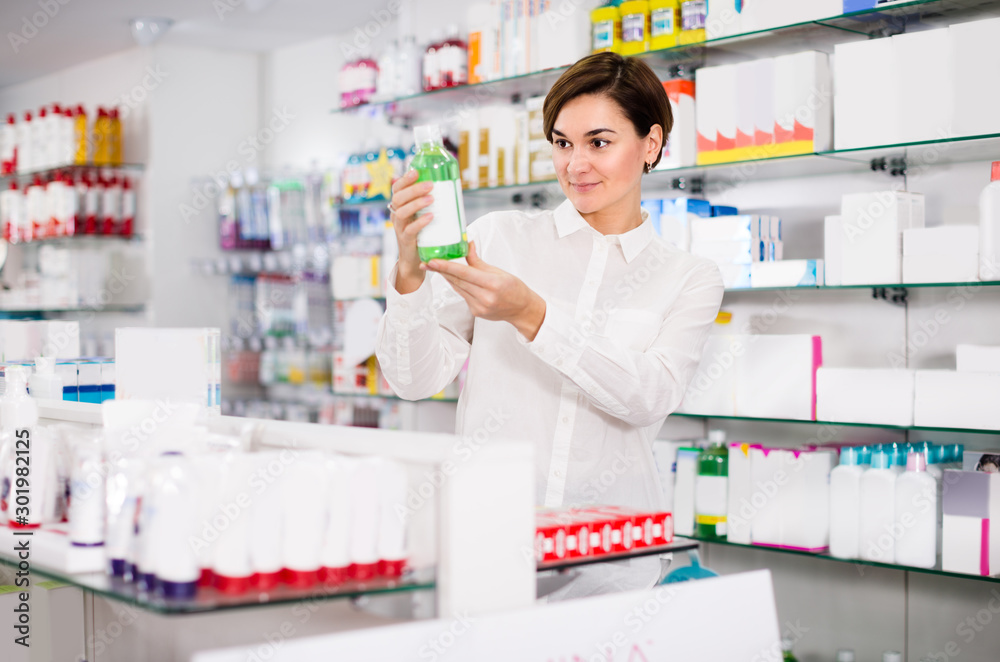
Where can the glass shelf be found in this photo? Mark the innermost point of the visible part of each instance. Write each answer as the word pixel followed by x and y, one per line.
pixel 210 600
pixel 819 34
pixel 390 397
pixel 818 288
pixel 26 177
pixel 82 308
pixel 838 424
pixel 678 545
pixel 858 562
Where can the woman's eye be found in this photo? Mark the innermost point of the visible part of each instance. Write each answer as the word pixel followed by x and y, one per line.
pixel 562 144
pixel 600 142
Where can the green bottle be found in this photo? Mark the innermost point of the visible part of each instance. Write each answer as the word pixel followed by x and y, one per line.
pixel 444 238
pixel 786 651
pixel 711 491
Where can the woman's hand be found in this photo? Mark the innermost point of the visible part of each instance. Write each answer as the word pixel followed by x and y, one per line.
pixel 492 293
pixel 409 197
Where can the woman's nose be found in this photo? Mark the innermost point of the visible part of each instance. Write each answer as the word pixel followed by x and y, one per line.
pixel 578 163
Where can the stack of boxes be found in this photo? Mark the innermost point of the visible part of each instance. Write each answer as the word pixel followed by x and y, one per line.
pixel 571 533
pixel 175 365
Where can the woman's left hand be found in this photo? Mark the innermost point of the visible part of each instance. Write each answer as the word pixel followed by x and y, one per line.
pixel 492 293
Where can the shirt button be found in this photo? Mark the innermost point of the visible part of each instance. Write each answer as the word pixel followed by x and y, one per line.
pixel 565 419
pixel 557 473
pixel 558 362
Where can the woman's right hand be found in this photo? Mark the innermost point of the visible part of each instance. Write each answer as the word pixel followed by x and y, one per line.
pixel 409 197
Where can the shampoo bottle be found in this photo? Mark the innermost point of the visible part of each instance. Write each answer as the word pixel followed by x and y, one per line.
pixel 303 506
pixel 916 514
pixel 876 541
pixel 86 488
pixel 845 496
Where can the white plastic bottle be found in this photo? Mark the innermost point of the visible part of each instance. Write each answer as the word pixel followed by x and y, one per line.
pixel 173 491
pixel 365 510
pixel 303 507
pixel 392 549
pixel 25 153
pixel 19 421
pixel 8 146
pixel 916 514
pixel 336 555
pixel 266 526
pixel 989 227
pixel 876 513
pixel 845 500
pixel 86 506
pixel 11 209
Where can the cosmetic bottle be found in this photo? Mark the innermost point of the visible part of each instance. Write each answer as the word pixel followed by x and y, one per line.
pixel 916 514
pixel 303 507
pixel 845 498
pixel 877 510
pixel 444 238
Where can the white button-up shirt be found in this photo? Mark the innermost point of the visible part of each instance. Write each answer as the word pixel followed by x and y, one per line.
pixel 626 319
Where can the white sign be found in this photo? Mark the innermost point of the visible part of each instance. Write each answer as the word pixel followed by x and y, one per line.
pixel 727 619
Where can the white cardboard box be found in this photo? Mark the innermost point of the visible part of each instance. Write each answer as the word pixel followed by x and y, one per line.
pixel 970 508
pixel 786 273
pixel 176 365
pixel 864 79
pixel 740 511
pixel 922 57
pixel 941 268
pixel 681 148
pixel 805 513
pixel 803 99
pixel 872 226
pixel 865 395
pixel 776 376
pixel 763 101
pixel 975 57
pixel 977 358
pixel 766 467
pixel 951 399
pixel 712 390
pixel 943 240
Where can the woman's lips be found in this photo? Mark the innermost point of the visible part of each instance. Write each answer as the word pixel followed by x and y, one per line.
pixel 583 188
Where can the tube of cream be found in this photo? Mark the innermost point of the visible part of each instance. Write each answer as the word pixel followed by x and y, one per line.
pixel 336 558
pixel 122 499
pixel 393 518
pixel 303 505
pixel 365 507
pixel 172 526
pixel 267 525
pixel 230 521
pixel 206 468
pixel 87 503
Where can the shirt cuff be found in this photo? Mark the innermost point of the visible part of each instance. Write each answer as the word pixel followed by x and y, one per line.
pixel 403 306
pixel 559 341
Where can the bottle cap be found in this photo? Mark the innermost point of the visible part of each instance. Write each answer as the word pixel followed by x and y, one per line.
pixel 850 455
pixel 845 655
pixel 995 172
pixel 786 645
pixel 10 118
pixel 717 436
pixel 955 452
pixel 916 461
pixel 881 460
pixel 427 134
pixel 899 457
pixel 936 455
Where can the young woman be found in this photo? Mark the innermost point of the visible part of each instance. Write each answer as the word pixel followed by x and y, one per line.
pixel 582 326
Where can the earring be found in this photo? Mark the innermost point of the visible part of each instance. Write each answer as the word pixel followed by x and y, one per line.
pixel 649 166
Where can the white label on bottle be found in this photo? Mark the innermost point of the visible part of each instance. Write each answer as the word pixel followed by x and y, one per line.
pixel 634 27
pixel 603 35
pixel 710 496
pixel 448 225
pixel 662 22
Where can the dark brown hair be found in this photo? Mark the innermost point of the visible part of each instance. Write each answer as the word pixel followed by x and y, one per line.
pixel 627 81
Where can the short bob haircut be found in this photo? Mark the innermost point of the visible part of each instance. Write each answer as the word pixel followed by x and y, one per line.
pixel 627 81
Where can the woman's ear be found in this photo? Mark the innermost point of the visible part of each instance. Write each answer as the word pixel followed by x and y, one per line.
pixel 654 143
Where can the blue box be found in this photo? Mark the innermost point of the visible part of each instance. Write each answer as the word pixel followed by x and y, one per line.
pixel 722 210
pixel 89 375
pixel 67 371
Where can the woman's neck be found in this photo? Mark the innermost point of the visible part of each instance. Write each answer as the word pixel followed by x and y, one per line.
pixel 619 217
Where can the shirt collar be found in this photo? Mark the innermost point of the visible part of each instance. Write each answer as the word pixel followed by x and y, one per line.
pixel 568 220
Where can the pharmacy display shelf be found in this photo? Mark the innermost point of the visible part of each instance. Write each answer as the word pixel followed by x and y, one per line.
pixel 88 240
pixel 876 286
pixel 211 600
pixel 858 562
pixel 836 424
pixel 820 34
pixel 678 545
pixel 28 309
pixel 26 177
pixel 338 394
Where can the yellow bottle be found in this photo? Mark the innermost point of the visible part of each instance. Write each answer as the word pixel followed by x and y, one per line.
pixel 664 23
pixel 80 142
pixel 693 16
pixel 635 26
pixel 102 142
pixel 115 135
pixel 606 30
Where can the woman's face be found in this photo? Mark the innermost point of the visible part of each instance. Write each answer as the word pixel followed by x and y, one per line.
pixel 598 156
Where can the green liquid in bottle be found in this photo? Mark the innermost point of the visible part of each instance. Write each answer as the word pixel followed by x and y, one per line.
pixel 445 237
pixel 711 491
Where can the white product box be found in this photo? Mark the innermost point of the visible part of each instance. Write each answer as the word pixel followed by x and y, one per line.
pixel 921 57
pixel 950 399
pixel 665 456
pixel 786 273
pixel 712 390
pixel 776 13
pixel 355 277
pixel 865 395
pixel 746 88
pixel 724 228
pixel 724 252
pixel 741 510
pixel 563 37
pixel 735 276
pixel 974 56
pixel 805 500
pixel 468 150
pixel 497 137
pixel 977 358
pixel 716 108
pixel 175 365
pixel 681 147
pixel 767 477
pixel 723 19
pixel 872 225
pixel 684 482
pixel 803 100
pixel 833 250
pixel 762 101
pixel 776 376
pixel 522 141
pixel 971 509
pixel 865 79
pixel 940 268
